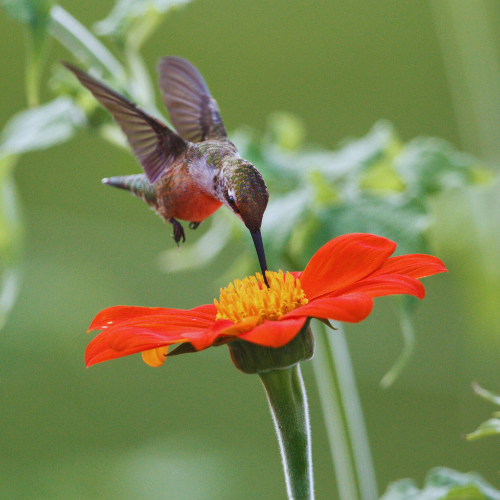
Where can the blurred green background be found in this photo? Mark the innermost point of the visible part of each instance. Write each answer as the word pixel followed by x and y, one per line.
pixel 197 428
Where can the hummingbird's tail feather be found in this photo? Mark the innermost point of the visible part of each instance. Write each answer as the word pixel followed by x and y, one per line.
pixel 137 184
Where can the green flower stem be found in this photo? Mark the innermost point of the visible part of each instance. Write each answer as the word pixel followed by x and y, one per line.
pixel 343 417
pixel 288 402
pixel 408 346
pixel 32 73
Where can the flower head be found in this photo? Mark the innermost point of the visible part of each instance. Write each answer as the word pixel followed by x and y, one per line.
pixel 338 283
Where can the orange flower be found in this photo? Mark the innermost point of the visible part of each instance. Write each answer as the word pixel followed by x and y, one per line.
pixel 338 283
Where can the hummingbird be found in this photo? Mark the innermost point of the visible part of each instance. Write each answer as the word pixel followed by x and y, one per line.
pixel 190 173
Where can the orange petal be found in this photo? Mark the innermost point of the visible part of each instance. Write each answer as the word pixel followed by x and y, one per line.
pixel 343 261
pixel 148 332
pixel 351 308
pixel 112 316
pixel 203 339
pixel 161 329
pixel 98 350
pixel 378 286
pixel 413 265
pixel 274 333
pixel 155 357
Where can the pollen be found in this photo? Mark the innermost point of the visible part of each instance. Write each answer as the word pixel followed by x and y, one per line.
pixel 251 297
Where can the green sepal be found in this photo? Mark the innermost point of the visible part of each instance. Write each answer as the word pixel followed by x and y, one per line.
pixel 253 358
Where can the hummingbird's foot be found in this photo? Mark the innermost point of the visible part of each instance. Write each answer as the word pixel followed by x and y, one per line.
pixel 194 225
pixel 178 231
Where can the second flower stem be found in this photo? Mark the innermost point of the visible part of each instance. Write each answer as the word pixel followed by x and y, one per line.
pixel 343 417
pixel 288 402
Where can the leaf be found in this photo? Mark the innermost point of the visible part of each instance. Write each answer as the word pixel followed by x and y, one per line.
pixel 489 428
pixel 41 127
pixel 82 43
pixel 443 476
pixel 11 239
pixel 282 216
pixel 395 218
pixel 489 396
pixel 357 155
pixel 34 13
pixel 404 489
pixel 492 426
pixel 431 165
pixel 135 20
pixel 443 484
pixel 286 130
pixel 469 492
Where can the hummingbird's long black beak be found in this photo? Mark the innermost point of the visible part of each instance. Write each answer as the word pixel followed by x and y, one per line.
pixel 257 240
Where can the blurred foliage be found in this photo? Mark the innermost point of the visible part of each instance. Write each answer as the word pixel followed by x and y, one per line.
pixel 34 129
pixel 443 484
pixel 375 184
pixel 492 426
pixel 133 21
pixel 35 14
pixel 53 123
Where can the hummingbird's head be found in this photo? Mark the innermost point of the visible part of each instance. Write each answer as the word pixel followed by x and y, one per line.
pixel 245 193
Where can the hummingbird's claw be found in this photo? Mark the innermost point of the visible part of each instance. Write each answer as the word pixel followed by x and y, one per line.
pixel 194 225
pixel 178 231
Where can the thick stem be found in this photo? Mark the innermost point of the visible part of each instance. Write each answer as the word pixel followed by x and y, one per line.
pixel 288 402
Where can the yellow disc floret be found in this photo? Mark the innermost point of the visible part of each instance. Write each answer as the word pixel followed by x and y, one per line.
pixel 251 297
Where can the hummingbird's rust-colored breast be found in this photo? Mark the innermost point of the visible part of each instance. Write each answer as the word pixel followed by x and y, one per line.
pixel 181 197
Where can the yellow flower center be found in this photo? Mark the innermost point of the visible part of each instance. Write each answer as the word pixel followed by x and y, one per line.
pixel 250 297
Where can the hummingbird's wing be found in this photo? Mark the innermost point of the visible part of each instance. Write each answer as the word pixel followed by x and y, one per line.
pixel 155 146
pixel 193 111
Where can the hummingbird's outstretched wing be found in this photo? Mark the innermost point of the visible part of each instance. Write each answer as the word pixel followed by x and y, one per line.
pixel 193 111
pixel 153 143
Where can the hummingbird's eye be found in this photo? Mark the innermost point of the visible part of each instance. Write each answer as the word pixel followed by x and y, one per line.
pixel 232 203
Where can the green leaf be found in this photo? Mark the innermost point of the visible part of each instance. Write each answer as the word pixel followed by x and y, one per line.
pixel 442 476
pixel 489 396
pixel 11 239
pixel 443 484
pixel 492 426
pixel 34 13
pixel 41 127
pixel 469 492
pixel 382 178
pixel 286 130
pixel 282 216
pixel 431 165
pixel 82 43
pixel 403 221
pixel 134 21
pixel 404 489
pixel 489 428
pixel 356 156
